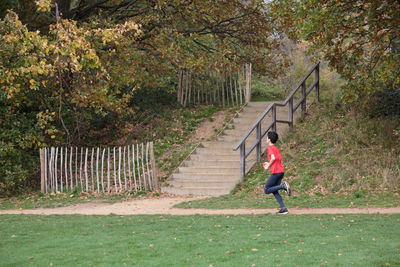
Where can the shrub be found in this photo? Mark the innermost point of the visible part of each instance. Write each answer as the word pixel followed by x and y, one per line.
pixel 384 103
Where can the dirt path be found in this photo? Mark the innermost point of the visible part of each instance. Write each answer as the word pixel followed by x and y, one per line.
pixel 164 205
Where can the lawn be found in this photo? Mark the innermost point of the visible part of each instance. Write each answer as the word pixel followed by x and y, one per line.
pixel 261 201
pixel 161 240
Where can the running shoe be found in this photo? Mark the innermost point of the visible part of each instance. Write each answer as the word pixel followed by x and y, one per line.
pixel 283 211
pixel 287 188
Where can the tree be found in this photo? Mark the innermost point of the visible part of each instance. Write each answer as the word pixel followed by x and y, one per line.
pixel 68 72
pixel 51 87
pixel 360 39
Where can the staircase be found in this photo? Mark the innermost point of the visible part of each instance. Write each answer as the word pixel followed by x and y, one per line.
pixel 214 168
pixel 217 166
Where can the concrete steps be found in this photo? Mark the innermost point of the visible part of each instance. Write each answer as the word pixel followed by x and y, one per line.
pixel 214 168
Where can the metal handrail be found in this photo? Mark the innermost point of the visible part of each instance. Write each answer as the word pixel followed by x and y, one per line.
pixel 292 108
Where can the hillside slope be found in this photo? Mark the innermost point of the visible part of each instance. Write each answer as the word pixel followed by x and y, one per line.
pixel 337 149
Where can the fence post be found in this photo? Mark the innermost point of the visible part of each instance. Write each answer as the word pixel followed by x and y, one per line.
pixel 154 167
pixel 303 97
pixel 248 82
pixel 180 87
pixel 290 113
pixel 42 171
pixel 259 141
pixel 242 161
pixel 273 117
pixel 316 78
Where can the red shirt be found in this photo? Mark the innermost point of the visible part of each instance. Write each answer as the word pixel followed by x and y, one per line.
pixel 276 166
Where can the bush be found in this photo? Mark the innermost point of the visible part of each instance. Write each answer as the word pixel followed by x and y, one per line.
pixel 384 103
pixel 19 159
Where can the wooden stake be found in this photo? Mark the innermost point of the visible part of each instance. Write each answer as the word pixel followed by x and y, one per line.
pixel 91 168
pixel 115 174
pixel 133 167
pixel 102 169
pixel 97 171
pixel 154 167
pixel 119 168
pixel 196 87
pixel 66 168
pixel 223 89
pixel 45 168
pixel 230 81
pixel 61 169
pixel 70 167
pixel 144 175
pixel 240 88
pixel 218 99
pixel 248 83
pixel 227 89
pixel 179 86
pixel 129 170
pixel 187 88
pixel 108 170
pixel 138 166
pixel 55 170
pixel 53 165
pixel 86 173
pixel 76 166
pixel 243 84
pixel 80 169
pixel 50 169
pixel 124 168
pixel 211 88
pixel 190 91
pixel 42 180
pixel 147 167
pixel 236 92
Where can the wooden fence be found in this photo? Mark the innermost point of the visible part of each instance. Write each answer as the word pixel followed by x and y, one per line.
pixel 215 87
pixel 127 168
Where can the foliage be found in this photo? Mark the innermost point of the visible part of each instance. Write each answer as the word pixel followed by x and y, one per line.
pixel 73 68
pixel 386 103
pixel 48 84
pixel 360 39
pixel 162 240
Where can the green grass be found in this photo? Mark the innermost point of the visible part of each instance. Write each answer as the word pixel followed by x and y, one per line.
pixel 261 201
pixel 263 90
pixel 306 240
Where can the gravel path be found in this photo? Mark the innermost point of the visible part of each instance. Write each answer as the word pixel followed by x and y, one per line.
pixel 164 205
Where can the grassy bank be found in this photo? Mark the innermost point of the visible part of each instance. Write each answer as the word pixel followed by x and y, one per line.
pixel 334 157
pixel 361 240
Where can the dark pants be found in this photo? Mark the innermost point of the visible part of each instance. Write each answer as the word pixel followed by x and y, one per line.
pixel 273 185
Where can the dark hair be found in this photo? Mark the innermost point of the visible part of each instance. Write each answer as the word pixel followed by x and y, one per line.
pixel 273 136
